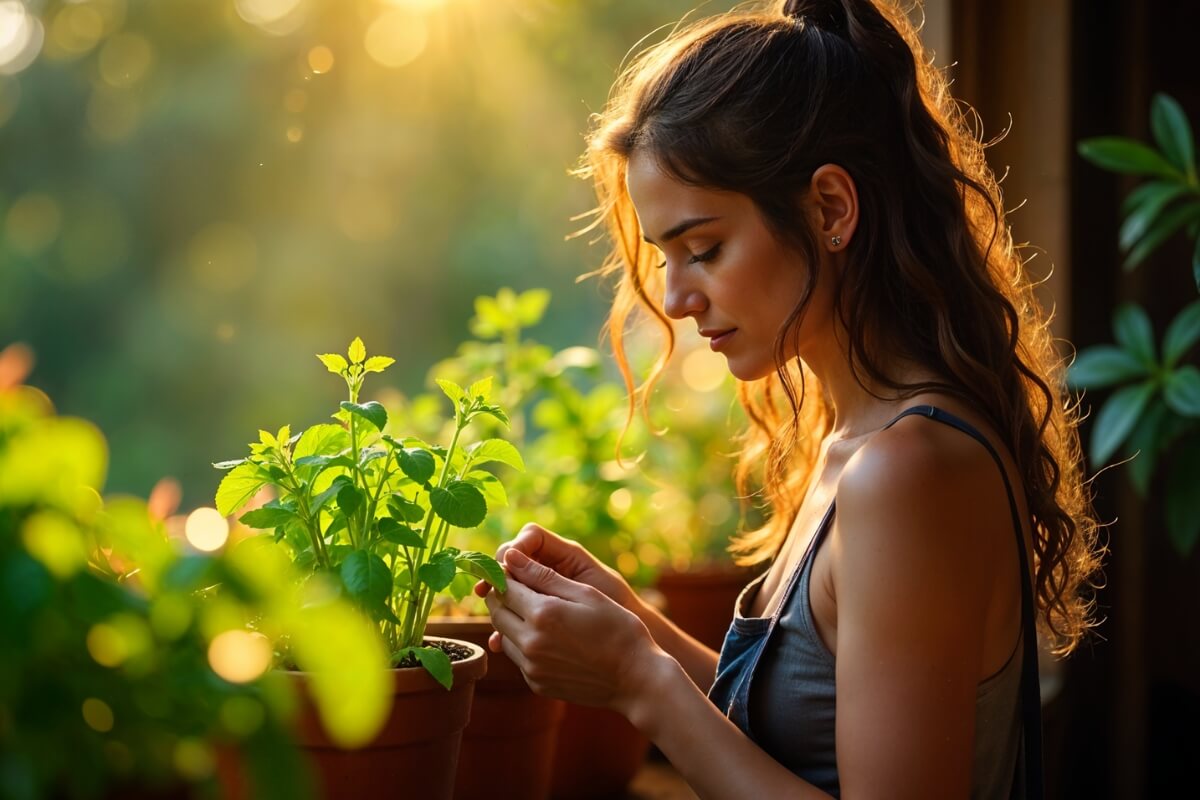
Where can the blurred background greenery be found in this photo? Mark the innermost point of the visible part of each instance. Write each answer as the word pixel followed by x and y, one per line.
pixel 197 195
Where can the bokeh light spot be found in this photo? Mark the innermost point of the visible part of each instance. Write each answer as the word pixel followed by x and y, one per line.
pixel 21 37
pixel 619 502
pixel 279 17
pixel 206 529
pixel 54 540
pixel 295 133
pixel 97 715
pixel 75 30
pixel 396 38
pixel 704 370
pixel 320 59
pixel 125 59
pixel 32 222
pixel 193 759
pixel 225 332
pixel 222 257
pixel 239 656
pixel 627 563
pixel 106 645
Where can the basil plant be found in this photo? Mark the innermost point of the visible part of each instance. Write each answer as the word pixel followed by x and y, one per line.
pixel 375 511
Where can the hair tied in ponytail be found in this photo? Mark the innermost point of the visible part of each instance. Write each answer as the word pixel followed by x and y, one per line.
pixel 828 15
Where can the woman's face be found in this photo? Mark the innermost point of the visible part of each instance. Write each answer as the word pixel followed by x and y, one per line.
pixel 723 266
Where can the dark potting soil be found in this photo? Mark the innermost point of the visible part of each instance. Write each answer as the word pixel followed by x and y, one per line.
pixel 457 652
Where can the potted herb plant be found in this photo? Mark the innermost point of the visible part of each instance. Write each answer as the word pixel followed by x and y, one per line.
pixel 371 514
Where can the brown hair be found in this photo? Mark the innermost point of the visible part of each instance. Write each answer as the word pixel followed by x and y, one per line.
pixel 755 100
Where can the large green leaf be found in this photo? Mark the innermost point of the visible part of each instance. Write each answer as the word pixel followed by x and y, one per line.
pixel 1134 333
pixel 459 503
pixel 1146 444
pixel 416 463
pixel 373 412
pixel 399 534
pixel 483 567
pixel 319 500
pixel 451 390
pixel 495 450
pixel 404 510
pixel 349 499
pixel 1140 218
pixel 1117 418
pixel 1163 228
pixel 531 305
pixel 439 570
pixel 321 440
pixel 366 577
pixel 1183 503
pixel 1172 132
pixel 491 487
pixel 1102 366
pixel 1182 391
pixel 238 486
pixel 1181 334
pixel 1126 155
pixel 272 515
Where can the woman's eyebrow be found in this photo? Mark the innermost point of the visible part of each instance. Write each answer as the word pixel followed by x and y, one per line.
pixel 680 229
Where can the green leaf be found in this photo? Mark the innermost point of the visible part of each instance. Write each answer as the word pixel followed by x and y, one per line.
pixel 236 462
pixel 1118 154
pixel 488 321
pixel 496 412
pixel 373 412
pixel 1181 334
pixel 438 571
pixel 462 586
pixel 1117 418
pixel 399 534
pixel 459 503
pixel 319 501
pixel 1183 509
pixel 436 663
pixel 271 515
pixel 357 351
pixel 366 577
pixel 349 499
pixel 1143 193
pixel 416 463
pixel 1196 265
pixel 1102 366
pixel 481 389
pixel 1145 444
pixel 495 450
pixel 1140 218
pixel 490 486
pixel 403 509
pixel 237 487
pixel 326 439
pixel 1162 229
pixel 1172 132
pixel 451 390
pixel 334 363
pixel 1181 390
pixel 531 305
pixel 1134 332
pixel 483 567
pixel 378 363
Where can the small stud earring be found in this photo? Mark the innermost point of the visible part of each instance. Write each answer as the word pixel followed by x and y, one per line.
pixel 837 240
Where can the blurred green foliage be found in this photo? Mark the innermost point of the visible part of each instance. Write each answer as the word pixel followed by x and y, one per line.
pixel 192 192
pixel 126 662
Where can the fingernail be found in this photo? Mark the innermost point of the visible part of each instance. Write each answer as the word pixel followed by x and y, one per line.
pixel 516 559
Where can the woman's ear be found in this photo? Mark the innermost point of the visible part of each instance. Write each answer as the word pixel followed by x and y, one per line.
pixel 834 199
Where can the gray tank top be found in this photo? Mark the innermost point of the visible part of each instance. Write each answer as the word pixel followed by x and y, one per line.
pixel 777 681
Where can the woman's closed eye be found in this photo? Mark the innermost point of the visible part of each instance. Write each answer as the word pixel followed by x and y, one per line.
pixel 707 255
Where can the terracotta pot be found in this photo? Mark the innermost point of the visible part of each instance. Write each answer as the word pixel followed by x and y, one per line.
pixel 599 753
pixel 508 746
pixel 701 601
pixel 414 755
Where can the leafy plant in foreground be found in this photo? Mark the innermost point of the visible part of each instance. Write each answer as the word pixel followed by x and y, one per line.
pixel 375 511
pixel 1155 411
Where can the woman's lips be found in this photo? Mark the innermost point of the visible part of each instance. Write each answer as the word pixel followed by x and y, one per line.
pixel 719 341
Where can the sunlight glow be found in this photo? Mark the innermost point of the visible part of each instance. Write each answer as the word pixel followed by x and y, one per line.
pixel 320 59
pixel 21 37
pixel 278 17
pixel 206 529
pixel 396 38
pixel 239 656
pixel 704 370
pixel 98 715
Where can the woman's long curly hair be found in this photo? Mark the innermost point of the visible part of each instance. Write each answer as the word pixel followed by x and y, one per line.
pixel 754 101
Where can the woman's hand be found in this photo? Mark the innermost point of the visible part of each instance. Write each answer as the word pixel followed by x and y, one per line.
pixel 569 559
pixel 570 639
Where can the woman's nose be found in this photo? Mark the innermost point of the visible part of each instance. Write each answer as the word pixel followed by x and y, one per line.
pixel 681 298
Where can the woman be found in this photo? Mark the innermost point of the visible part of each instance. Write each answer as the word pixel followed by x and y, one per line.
pixel 798 183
